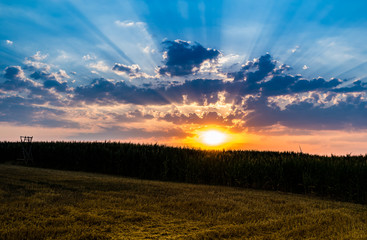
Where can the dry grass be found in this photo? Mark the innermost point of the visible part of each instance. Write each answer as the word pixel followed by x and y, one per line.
pixel 51 204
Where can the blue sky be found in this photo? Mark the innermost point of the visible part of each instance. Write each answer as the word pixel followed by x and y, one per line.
pixel 281 74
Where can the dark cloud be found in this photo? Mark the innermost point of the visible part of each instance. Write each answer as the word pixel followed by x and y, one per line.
pixel 42 75
pixel 319 84
pixel 201 91
pixel 350 113
pixel 20 111
pixel 248 80
pixel 130 70
pixel 255 71
pixel 50 81
pixel 61 87
pixel 182 58
pixel 105 92
pixel 358 86
pixel 13 73
pixel 288 84
pixel 30 91
pixel 278 85
pixel 16 80
pixel 263 77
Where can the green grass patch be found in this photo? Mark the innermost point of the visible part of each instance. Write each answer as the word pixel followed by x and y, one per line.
pixel 51 204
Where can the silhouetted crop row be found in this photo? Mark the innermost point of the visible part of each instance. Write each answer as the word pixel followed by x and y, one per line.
pixel 339 177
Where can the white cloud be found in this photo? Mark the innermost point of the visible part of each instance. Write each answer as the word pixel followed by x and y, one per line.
pixel 100 66
pixel 37 65
pixel 39 57
pixel 305 67
pixel 208 67
pixel 295 49
pixel 9 42
pixel 62 73
pixel 165 55
pixel 149 50
pixel 129 23
pixel 89 57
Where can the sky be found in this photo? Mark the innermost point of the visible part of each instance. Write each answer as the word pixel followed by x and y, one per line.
pixel 272 75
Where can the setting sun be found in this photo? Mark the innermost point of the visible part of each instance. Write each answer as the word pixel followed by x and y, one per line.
pixel 213 137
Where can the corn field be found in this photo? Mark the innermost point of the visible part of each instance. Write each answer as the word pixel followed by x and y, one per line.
pixel 338 177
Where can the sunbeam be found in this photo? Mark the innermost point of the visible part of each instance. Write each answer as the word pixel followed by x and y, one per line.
pixel 94 29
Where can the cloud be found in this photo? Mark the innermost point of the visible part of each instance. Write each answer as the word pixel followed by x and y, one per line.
pixel 89 57
pixel 261 76
pixel 131 71
pixel 201 91
pixel 39 56
pixel 16 84
pixel 22 99
pixel 127 69
pixel 182 58
pixel 52 80
pixel 288 84
pixel 358 86
pixel 306 115
pixel 148 50
pixel 129 23
pixel 106 92
pixel 255 71
pixel 22 111
pixel 295 49
pixel 102 91
pixel 14 73
pixel 16 80
pixel 35 62
pixel 100 66
pixel 8 42
pixel 318 84
pixel 193 118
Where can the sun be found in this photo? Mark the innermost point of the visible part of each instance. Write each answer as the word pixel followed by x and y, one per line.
pixel 213 137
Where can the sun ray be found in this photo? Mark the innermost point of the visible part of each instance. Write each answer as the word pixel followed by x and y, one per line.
pixel 96 30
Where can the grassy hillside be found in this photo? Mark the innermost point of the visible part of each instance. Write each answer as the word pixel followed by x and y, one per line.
pixel 51 204
pixel 337 177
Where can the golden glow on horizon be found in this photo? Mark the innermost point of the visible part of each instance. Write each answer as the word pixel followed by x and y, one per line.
pixel 213 137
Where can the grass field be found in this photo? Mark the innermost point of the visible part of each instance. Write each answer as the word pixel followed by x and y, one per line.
pixel 51 204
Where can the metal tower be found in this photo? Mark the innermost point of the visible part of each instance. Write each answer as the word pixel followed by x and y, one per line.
pixel 27 149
